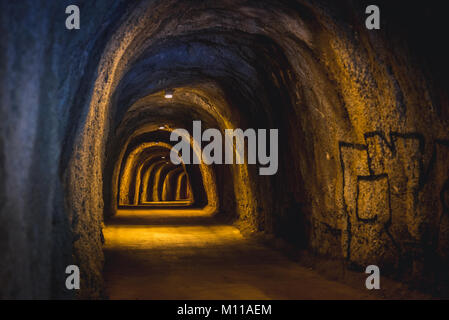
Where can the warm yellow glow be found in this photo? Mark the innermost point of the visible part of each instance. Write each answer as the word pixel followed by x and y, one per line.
pixel 156 181
pixel 135 235
pixel 140 179
pixel 169 203
pixel 178 254
pixel 210 99
pixel 171 236
pixel 183 188
pixel 145 181
pixel 168 188
pixel 126 177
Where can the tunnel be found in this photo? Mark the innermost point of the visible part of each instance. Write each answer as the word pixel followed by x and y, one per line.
pixel 355 175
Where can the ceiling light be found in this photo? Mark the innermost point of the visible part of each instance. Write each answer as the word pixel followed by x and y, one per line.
pixel 168 94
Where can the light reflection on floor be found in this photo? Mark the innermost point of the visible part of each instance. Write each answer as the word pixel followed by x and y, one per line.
pixel 187 255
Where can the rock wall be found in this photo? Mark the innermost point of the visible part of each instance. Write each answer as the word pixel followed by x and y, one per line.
pixel 363 117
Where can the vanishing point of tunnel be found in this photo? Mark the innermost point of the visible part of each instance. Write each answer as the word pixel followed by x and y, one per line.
pixel 223 150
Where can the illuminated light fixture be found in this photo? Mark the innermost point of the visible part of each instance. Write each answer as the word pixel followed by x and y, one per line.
pixel 161 127
pixel 168 94
pixel 163 157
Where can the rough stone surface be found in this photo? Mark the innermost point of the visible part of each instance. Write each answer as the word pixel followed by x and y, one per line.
pixel 363 118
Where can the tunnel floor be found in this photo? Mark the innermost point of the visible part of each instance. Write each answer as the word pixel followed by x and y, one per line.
pixel 187 255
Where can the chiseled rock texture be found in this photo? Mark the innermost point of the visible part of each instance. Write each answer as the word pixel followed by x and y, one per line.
pixel 363 122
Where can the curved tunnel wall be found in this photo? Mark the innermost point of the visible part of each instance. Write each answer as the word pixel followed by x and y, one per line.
pixel 155 156
pixel 134 157
pixel 332 87
pixel 169 186
pixel 147 190
pixel 356 119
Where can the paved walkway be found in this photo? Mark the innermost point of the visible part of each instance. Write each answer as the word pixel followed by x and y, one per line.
pixel 186 255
